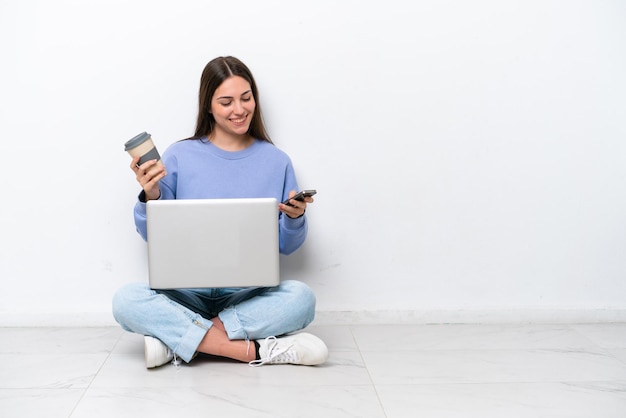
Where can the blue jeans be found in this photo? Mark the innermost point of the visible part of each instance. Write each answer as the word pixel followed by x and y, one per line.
pixel 181 318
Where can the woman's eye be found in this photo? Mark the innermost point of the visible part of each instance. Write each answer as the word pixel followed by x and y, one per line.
pixel 246 99
pixel 225 103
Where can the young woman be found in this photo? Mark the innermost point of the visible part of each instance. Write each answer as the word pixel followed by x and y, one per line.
pixel 230 156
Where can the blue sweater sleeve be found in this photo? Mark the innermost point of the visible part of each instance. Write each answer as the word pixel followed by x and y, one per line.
pixel 168 191
pixel 140 218
pixel 292 233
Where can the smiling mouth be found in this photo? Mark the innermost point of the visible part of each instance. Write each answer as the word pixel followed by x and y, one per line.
pixel 239 121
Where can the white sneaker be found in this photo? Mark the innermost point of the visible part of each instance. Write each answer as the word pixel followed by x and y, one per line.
pixel 305 349
pixel 157 353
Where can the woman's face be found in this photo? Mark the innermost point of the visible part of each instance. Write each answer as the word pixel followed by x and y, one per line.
pixel 233 106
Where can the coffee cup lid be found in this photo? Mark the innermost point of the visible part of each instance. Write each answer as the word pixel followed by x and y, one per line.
pixel 136 141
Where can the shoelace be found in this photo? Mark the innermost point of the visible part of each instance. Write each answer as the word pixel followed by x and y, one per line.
pixel 276 355
pixel 176 361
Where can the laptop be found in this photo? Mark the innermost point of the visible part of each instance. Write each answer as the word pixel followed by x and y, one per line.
pixel 208 243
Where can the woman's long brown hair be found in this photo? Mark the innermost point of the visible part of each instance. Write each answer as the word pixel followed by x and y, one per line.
pixel 214 74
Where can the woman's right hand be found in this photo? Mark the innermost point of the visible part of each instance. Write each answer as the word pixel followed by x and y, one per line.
pixel 148 175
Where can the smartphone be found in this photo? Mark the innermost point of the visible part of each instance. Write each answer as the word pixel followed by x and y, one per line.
pixel 300 196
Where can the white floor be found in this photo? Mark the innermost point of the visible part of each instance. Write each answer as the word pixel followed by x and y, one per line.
pixel 373 371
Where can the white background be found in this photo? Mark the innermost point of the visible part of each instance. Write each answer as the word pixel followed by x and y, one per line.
pixel 469 155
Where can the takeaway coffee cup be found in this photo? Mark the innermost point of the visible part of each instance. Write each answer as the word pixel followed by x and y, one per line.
pixel 142 146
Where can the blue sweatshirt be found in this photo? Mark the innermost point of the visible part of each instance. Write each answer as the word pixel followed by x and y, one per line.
pixel 197 169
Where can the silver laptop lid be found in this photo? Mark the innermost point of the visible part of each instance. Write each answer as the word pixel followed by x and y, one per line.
pixel 213 243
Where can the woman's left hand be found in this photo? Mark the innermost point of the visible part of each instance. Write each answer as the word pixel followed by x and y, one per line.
pixel 298 206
